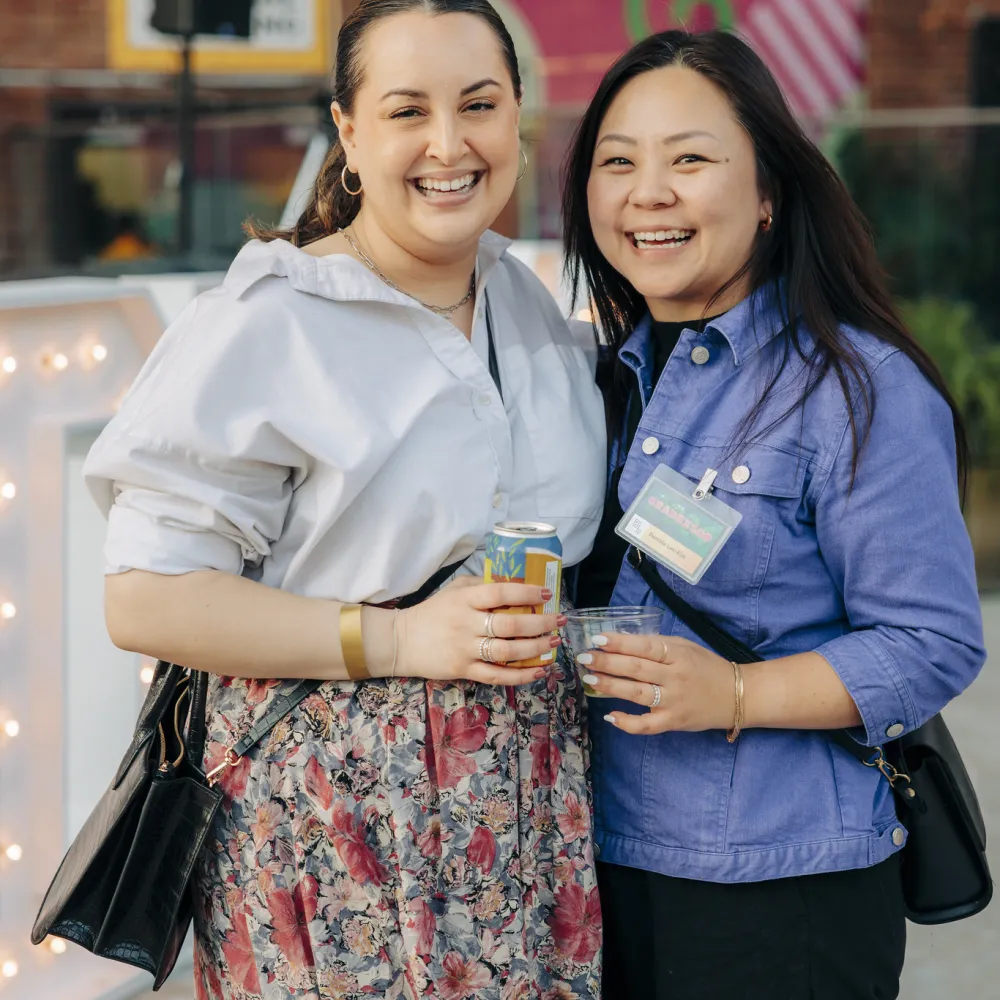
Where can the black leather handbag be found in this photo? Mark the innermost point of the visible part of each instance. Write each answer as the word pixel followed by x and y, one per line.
pixel 944 869
pixel 123 889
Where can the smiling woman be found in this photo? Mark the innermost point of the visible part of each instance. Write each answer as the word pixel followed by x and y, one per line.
pixel 761 374
pixel 414 827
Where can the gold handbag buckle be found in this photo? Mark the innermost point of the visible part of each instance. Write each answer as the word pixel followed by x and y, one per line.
pixel 891 774
pixel 231 759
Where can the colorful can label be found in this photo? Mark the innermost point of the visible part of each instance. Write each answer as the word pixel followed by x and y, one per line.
pixel 526 552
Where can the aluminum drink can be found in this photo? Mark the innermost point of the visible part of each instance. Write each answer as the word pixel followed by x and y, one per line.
pixel 526 552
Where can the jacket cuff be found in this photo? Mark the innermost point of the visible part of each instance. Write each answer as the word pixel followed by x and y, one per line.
pixel 875 683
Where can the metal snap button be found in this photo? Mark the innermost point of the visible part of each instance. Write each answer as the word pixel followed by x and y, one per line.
pixel 896 729
pixel 898 836
pixel 700 355
pixel 650 446
pixel 741 474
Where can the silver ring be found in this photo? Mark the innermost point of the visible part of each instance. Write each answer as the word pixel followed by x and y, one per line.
pixel 486 650
pixel 656 696
pixel 490 634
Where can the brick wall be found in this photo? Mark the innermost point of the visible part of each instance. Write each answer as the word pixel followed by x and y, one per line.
pixel 919 51
pixel 52 34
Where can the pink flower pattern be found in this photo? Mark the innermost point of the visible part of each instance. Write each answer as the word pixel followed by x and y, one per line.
pixel 403 839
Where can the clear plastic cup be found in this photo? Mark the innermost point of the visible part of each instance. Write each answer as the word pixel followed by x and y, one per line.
pixel 584 623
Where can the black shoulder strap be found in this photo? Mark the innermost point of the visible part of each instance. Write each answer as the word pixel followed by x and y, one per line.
pixel 722 642
pixel 291 699
pixel 494 364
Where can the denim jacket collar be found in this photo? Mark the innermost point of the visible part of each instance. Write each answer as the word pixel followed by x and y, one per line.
pixel 746 328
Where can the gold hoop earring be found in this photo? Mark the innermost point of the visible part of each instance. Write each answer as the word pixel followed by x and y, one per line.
pixel 343 183
pixel 765 224
pixel 524 169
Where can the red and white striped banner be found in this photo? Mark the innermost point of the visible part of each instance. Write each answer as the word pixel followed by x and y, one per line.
pixel 815 48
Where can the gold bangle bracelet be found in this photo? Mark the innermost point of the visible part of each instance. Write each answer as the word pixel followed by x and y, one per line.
pixel 351 642
pixel 734 733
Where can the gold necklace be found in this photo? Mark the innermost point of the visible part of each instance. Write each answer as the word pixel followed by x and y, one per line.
pixel 444 311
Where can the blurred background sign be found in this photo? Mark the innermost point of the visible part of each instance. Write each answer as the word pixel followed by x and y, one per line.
pixel 286 36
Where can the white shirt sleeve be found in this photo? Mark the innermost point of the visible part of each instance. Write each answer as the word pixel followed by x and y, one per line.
pixel 193 472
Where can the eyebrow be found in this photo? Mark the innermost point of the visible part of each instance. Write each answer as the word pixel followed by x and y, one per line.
pixel 422 94
pixel 678 137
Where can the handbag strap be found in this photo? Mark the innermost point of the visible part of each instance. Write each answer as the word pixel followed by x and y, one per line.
pixel 493 363
pixel 289 700
pixel 732 649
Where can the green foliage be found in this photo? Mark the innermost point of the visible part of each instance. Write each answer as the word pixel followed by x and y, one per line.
pixel 969 362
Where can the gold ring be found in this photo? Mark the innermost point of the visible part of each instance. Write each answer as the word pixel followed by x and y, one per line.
pixel 666 652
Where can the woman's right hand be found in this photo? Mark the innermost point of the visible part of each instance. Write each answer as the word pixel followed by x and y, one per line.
pixel 440 638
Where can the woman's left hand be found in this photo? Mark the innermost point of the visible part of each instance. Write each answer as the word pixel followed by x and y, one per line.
pixel 697 687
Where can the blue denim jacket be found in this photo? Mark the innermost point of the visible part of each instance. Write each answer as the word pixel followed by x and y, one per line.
pixel 878 579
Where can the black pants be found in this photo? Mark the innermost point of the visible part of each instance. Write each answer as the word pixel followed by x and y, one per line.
pixel 839 936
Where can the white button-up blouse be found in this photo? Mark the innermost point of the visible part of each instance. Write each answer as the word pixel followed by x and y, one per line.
pixel 308 423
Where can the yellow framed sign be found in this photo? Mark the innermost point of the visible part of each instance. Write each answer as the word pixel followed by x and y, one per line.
pixel 287 37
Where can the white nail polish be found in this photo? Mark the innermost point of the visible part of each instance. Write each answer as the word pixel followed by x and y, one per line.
pixel 611 719
pixel 585 659
pixel 590 679
pixel 600 640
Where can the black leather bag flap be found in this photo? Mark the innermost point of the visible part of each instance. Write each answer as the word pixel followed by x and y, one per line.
pixel 934 740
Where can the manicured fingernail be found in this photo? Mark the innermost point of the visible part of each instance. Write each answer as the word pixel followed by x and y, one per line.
pixel 585 659
pixel 611 719
pixel 591 679
pixel 555 642
pixel 539 674
pixel 546 595
pixel 599 640
pixel 561 620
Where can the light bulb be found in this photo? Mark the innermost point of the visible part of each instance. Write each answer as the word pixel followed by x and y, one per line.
pixel 9 969
pixel 12 727
pixel 98 352
pixel 7 610
pixel 8 491
pixel 57 946
pixel 14 852
pixel 146 674
pixel 585 316
pixel 60 362
pixel 9 364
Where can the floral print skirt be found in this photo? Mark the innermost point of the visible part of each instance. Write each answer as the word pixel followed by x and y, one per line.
pixel 401 838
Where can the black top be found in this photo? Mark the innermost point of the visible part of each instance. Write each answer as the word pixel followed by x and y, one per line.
pixel 599 571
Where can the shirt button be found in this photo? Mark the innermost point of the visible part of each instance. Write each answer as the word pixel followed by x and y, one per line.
pixel 497 499
pixel 896 729
pixel 898 836
pixel 741 474
pixel 650 446
pixel 700 355
pixel 486 399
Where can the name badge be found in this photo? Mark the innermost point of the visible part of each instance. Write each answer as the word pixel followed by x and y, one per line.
pixel 679 523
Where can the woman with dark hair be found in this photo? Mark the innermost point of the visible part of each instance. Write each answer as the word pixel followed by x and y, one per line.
pixel 343 421
pixel 787 456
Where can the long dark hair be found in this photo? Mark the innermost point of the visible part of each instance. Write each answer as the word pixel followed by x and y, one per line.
pixel 818 251
pixel 330 207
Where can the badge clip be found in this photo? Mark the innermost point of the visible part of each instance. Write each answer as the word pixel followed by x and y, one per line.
pixel 706 485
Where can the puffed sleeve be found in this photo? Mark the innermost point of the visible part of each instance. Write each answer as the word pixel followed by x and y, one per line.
pixel 193 472
pixel 897 547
